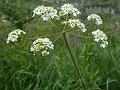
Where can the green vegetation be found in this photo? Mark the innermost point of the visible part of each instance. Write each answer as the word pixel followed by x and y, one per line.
pixel 21 70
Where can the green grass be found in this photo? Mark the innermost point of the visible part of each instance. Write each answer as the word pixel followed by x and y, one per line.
pixel 21 70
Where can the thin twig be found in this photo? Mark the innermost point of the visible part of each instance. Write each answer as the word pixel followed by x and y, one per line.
pixel 79 36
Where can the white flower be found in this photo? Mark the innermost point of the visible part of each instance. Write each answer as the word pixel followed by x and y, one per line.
pixel 75 22
pixel 100 36
pixel 69 9
pixel 44 53
pixel 82 27
pixel 14 35
pixel 43 45
pixel 46 13
pixel 39 10
pixel 103 45
pixel 95 17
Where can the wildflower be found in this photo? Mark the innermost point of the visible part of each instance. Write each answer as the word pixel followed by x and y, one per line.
pixel 46 13
pixel 43 45
pixel 14 35
pixel 69 9
pixel 75 22
pixel 95 17
pixel 44 53
pixel 100 36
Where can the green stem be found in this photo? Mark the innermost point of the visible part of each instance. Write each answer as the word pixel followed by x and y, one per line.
pixel 74 61
pixel 69 49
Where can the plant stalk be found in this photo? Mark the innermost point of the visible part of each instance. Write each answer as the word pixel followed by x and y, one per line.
pixel 74 61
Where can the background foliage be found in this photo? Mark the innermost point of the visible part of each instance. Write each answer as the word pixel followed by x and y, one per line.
pixel 21 70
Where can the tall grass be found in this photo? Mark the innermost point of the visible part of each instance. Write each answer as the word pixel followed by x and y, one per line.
pixel 21 70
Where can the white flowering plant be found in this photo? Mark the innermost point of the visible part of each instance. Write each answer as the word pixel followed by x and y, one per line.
pixel 43 45
pixel 14 35
pixel 66 20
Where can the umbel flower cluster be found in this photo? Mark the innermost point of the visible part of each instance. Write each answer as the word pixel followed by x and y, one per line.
pixel 46 13
pixel 100 36
pixel 69 9
pixel 95 17
pixel 14 35
pixel 75 22
pixel 42 45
